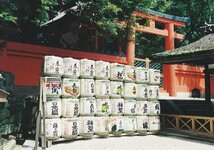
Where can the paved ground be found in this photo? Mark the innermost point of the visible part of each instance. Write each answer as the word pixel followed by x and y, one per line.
pixel 148 142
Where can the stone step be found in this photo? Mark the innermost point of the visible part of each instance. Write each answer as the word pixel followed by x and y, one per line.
pixel 9 145
pixel 28 145
pixel 17 147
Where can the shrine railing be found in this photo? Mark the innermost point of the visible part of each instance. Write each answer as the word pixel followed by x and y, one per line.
pixel 195 125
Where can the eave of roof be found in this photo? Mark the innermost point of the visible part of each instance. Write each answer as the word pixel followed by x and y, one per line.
pixel 163 15
pixel 202 49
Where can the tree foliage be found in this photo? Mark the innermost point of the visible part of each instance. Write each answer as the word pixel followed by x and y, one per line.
pixel 28 15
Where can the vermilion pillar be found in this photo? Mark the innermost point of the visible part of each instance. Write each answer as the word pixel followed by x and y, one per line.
pixel 130 49
pixel 169 70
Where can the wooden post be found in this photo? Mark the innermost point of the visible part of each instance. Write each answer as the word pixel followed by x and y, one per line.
pixel 168 70
pixel 193 124
pixel 211 127
pixel 147 62
pixel 130 49
pixel 177 122
pixel 207 90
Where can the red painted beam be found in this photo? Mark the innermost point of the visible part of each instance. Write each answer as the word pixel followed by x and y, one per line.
pixel 158 19
pixel 25 60
pixel 156 31
pixel 28 50
pixel 150 30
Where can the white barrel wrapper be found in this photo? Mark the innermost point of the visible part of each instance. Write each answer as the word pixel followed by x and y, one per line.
pixel 52 86
pixel 102 126
pixel 130 107
pixel 130 74
pixel 117 72
pixel 87 106
pixel 70 107
pixel 87 68
pixel 102 88
pixel 87 88
pixel 70 87
pixel 87 127
pixel 53 66
pixel 71 67
pixel 130 124
pixel 116 125
pixel 53 108
pixel 117 107
pixel 154 77
pixel 130 90
pixel 70 128
pixel 142 75
pixel 142 124
pixel 103 107
pixel 116 89
pixel 102 70
pixel 142 108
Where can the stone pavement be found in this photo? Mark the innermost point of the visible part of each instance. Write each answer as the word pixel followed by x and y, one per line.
pixel 148 142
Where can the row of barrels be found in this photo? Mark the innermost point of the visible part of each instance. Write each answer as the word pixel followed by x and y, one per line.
pixel 90 106
pixel 74 88
pixel 86 127
pixel 85 68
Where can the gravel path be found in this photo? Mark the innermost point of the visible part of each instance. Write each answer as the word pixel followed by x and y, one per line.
pixel 148 142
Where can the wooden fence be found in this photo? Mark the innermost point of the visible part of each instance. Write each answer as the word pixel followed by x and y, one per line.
pixel 195 125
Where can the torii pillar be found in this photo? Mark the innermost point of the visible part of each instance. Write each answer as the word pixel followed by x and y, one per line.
pixel 168 33
pixel 169 70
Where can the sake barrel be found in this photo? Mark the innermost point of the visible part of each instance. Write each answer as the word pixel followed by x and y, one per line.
pixel 117 72
pixel 102 88
pixel 130 90
pixel 116 125
pixel 53 128
pixel 117 107
pixel 154 123
pixel 71 67
pixel 130 125
pixel 142 91
pixel 70 107
pixel 52 86
pixel 102 126
pixel 86 127
pixel 154 108
pixel 142 75
pixel 154 77
pixel 70 87
pixel 141 108
pixel 102 70
pixel 116 89
pixel 103 107
pixel 87 68
pixel 87 87
pixel 130 74
pixel 153 92
pixel 53 66
pixel 130 107
pixel 142 124
pixel 53 108
pixel 87 106
pixel 70 128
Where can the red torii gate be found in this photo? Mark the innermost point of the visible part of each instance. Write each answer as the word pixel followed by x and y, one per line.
pixel 169 34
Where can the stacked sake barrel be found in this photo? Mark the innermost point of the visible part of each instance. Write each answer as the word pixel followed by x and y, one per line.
pixel 153 103
pixel 117 75
pixel 86 97
pixel 52 87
